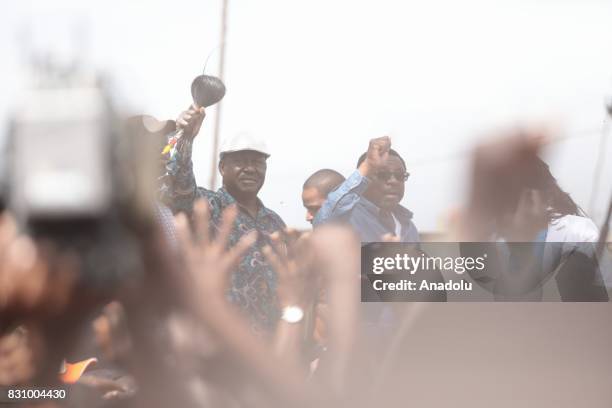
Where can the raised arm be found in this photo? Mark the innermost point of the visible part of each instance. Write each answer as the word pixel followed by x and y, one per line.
pixel 178 188
pixel 342 200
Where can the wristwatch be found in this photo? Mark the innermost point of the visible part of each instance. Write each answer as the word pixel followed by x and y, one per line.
pixel 292 314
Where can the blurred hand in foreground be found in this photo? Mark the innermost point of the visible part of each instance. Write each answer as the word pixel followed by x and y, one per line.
pixel 111 333
pixel 292 259
pixel 208 261
pixel 501 169
pixel 20 349
pixel 34 279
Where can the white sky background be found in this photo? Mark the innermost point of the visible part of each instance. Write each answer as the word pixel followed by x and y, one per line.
pixel 317 79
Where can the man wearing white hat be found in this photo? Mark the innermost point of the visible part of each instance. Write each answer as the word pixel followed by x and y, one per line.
pixel 242 164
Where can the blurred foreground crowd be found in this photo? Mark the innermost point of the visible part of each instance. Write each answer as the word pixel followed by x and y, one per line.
pixel 234 309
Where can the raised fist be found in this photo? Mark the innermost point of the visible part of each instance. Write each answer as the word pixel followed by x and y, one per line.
pixel 378 152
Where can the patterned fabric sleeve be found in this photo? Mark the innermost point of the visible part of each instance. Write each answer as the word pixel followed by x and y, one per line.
pixel 178 189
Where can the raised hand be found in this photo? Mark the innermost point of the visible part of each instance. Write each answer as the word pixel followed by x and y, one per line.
pixel 20 352
pixel 378 152
pixel 190 121
pixel 209 261
pixel 33 278
pixel 500 171
pixel 291 258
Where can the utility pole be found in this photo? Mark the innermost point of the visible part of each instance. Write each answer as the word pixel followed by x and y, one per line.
pixel 215 149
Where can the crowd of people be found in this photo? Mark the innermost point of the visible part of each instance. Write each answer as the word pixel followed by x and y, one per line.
pixel 236 309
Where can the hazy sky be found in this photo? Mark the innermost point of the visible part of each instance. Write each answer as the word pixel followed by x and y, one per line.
pixel 317 79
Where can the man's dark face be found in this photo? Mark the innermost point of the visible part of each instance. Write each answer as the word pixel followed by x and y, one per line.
pixel 386 188
pixel 243 172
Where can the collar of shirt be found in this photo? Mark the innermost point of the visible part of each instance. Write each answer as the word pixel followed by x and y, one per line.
pixel 403 215
pixel 227 200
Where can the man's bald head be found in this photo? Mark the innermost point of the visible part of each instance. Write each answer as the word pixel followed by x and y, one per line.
pixel 325 180
pixel 316 188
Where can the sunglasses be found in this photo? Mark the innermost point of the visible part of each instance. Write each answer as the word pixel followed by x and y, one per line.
pixel 384 175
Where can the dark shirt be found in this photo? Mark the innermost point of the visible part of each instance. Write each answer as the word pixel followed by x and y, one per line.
pixel 253 284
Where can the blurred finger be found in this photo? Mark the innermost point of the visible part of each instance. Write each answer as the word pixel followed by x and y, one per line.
pixel 524 202
pixel 227 223
pixel 38 291
pixel 292 233
pixel 274 260
pixel 10 342
pixel 537 199
pixel 201 219
pixel 276 241
pixel 112 395
pixel 27 273
pixel 241 248
pixel 64 278
pixel 182 230
pixel 275 236
pixel 8 230
pixel 290 237
pixel 390 238
pixel 386 143
pixel 22 253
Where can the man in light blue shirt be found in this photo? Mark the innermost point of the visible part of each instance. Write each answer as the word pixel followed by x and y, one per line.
pixel 369 198
pixel 368 201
